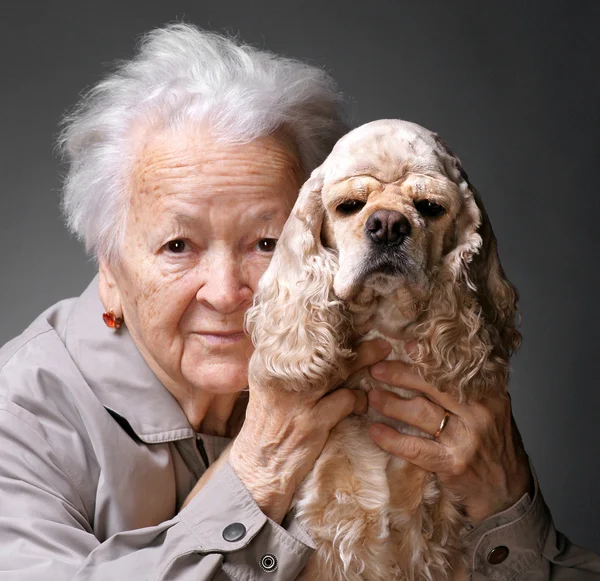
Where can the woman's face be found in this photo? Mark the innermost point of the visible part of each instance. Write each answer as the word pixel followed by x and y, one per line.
pixel 202 224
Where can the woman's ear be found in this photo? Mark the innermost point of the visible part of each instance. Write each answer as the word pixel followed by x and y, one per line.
pixel 108 289
pixel 299 328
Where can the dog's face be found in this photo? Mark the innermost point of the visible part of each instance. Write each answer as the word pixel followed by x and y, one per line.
pixel 391 211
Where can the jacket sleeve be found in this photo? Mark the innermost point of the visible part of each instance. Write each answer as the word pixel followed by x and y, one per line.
pixel 521 544
pixel 46 533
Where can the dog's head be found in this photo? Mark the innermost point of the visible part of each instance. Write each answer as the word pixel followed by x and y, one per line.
pixel 391 214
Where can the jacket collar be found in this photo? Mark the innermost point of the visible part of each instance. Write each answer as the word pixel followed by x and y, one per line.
pixel 117 373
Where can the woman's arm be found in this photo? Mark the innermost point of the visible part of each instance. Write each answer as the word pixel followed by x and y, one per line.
pixel 47 532
pixel 50 470
pixel 284 433
pixel 480 456
pixel 534 549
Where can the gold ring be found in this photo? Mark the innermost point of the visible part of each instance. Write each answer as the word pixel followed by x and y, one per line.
pixel 443 424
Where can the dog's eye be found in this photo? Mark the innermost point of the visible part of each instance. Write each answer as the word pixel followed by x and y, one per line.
pixel 429 209
pixel 350 207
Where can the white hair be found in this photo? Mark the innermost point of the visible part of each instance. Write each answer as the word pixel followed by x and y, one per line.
pixel 179 75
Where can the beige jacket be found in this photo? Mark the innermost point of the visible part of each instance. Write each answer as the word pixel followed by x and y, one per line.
pixel 96 459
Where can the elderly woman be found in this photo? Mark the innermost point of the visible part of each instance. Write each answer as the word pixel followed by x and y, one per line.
pixel 184 165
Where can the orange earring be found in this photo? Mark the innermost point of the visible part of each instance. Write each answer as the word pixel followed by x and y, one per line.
pixel 112 321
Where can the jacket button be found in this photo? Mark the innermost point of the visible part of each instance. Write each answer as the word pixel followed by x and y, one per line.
pixel 497 555
pixel 234 532
pixel 268 563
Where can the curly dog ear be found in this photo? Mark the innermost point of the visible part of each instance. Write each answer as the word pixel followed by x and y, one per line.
pixel 468 329
pixel 299 328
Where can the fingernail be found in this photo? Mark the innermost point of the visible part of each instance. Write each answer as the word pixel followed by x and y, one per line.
pixel 377 369
pixel 384 345
pixel 376 430
pixel 374 396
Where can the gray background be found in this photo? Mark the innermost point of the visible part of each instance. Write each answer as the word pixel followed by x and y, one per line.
pixel 512 86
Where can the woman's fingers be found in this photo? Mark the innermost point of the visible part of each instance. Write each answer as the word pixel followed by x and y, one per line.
pixel 400 374
pixel 369 353
pixel 427 454
pixel 335 406
pixel 418 411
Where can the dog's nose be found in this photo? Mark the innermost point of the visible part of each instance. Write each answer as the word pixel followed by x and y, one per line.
pixel 387 227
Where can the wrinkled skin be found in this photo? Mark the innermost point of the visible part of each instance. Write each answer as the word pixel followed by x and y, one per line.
pixel 201 227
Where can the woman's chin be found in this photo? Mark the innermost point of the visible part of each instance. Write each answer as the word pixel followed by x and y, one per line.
pixel 220 369
pixel 225 377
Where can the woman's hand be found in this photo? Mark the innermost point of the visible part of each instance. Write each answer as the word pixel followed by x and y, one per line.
pixel 285 432
pixel 478 455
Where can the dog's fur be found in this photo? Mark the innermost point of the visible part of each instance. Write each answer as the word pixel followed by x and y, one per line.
pixel 374 516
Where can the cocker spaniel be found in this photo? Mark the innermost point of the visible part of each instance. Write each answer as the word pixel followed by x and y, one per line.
pixel 387 234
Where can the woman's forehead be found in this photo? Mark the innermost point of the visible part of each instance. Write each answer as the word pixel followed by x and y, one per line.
pixel 194 152
pixel 181 179
pixel 193 158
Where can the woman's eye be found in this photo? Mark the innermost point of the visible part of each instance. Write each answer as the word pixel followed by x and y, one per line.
pixel 266 244
pixel 176 246
pixel 350 207
pixel 429 209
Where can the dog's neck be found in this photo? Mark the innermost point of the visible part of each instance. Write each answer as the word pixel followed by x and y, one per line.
pixel 389 316
pixel 383 318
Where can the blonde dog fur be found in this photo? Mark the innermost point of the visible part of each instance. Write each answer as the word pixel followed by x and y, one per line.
pixel 373 516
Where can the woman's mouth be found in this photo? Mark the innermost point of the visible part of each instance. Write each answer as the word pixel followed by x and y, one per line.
pixel 221 337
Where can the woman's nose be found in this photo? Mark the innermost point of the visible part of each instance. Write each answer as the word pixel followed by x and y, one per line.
pixel 225 289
